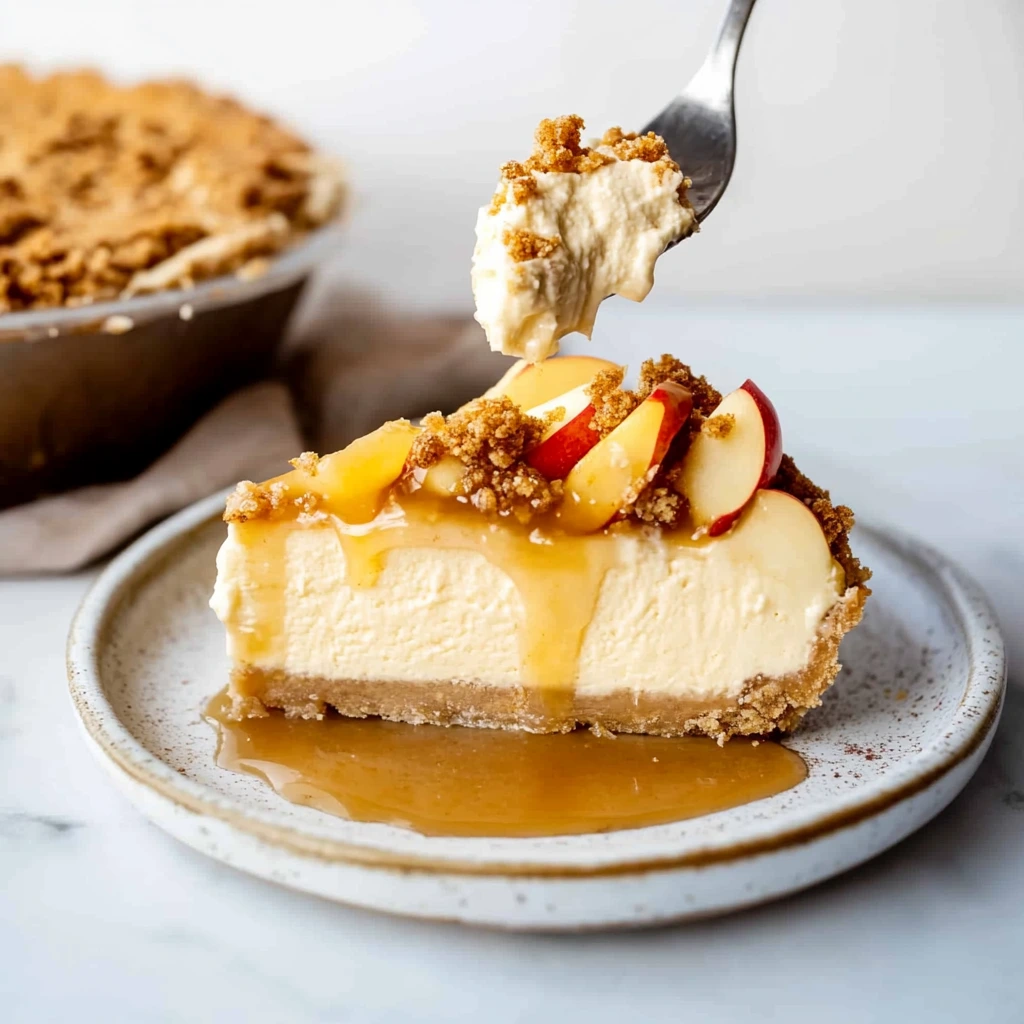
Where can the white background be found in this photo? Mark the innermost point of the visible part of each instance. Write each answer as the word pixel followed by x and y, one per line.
pixel 882 141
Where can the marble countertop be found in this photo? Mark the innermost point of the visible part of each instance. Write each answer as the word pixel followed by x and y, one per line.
pixel 103 917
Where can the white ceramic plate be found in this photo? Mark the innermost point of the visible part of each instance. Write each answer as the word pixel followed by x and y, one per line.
pixel 898 737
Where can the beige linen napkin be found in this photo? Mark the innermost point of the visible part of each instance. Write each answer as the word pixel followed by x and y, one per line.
pixel 350 365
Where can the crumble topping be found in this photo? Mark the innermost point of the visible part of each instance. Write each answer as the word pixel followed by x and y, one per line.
pixel 106 189
pixel 262 501
pixel 719 426
pixel 254 501
pixel 524 245
pixel 659 505
pixel 307 462
pixel 611 401
pixel 656 371
pixel 558 148
pixel 490 437
pixel 650 148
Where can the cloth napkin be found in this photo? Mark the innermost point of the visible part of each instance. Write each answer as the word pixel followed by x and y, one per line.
pixel 348 365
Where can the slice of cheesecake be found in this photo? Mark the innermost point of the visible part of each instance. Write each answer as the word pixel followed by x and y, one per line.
pixel 562 552
pixel 568 227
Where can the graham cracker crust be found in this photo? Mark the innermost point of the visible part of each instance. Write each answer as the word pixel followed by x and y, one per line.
pixel 766 704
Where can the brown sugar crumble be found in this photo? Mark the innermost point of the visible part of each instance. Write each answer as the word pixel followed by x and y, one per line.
pixel 254 501
pixel 307 462
pixel 524 245
pixel 490 436
pixel 558 148
pixel 659 503
pixel 667 368
pixel 719 426
pixel 109 190
pixel 267 500
pixel 611 401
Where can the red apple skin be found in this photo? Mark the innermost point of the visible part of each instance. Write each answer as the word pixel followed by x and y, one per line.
pixel 772 453
pixel 772 432
pixel 678 404
pixel 594 508
pixel 559 452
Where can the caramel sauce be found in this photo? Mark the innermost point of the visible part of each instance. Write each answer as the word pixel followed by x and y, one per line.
pixel 558 576
pixel 267 542
pixel 482 782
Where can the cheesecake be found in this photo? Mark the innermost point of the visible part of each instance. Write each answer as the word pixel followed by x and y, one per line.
pixel 564 551
pixel 568 227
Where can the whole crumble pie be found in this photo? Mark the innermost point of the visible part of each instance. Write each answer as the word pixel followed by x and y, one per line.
pixel 108 191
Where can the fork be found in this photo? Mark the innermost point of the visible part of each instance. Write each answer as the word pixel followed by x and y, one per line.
pixel 699 125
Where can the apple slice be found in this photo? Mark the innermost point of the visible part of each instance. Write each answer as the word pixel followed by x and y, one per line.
pixel 566 441
pixel 531 384
pixel 722 470
pixel 444 478
pixel 354 481
pixel 782 537
pixel 610 475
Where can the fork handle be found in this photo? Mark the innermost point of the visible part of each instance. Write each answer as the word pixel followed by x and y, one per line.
pixel 721 60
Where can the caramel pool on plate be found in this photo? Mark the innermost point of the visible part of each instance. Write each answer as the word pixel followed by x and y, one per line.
pixel 491 782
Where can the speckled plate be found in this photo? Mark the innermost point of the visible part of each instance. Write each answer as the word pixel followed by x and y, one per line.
pixel 897 738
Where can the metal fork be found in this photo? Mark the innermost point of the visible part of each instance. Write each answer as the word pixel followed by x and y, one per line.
pixel 699 125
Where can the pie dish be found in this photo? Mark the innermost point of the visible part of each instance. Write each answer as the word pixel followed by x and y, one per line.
pixel 154 240
pixel 563 551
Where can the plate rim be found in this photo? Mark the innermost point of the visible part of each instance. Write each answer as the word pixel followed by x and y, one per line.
pixel 113 739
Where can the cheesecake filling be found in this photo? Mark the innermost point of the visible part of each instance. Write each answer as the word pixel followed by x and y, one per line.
pixel 567 229
pixel 424 594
